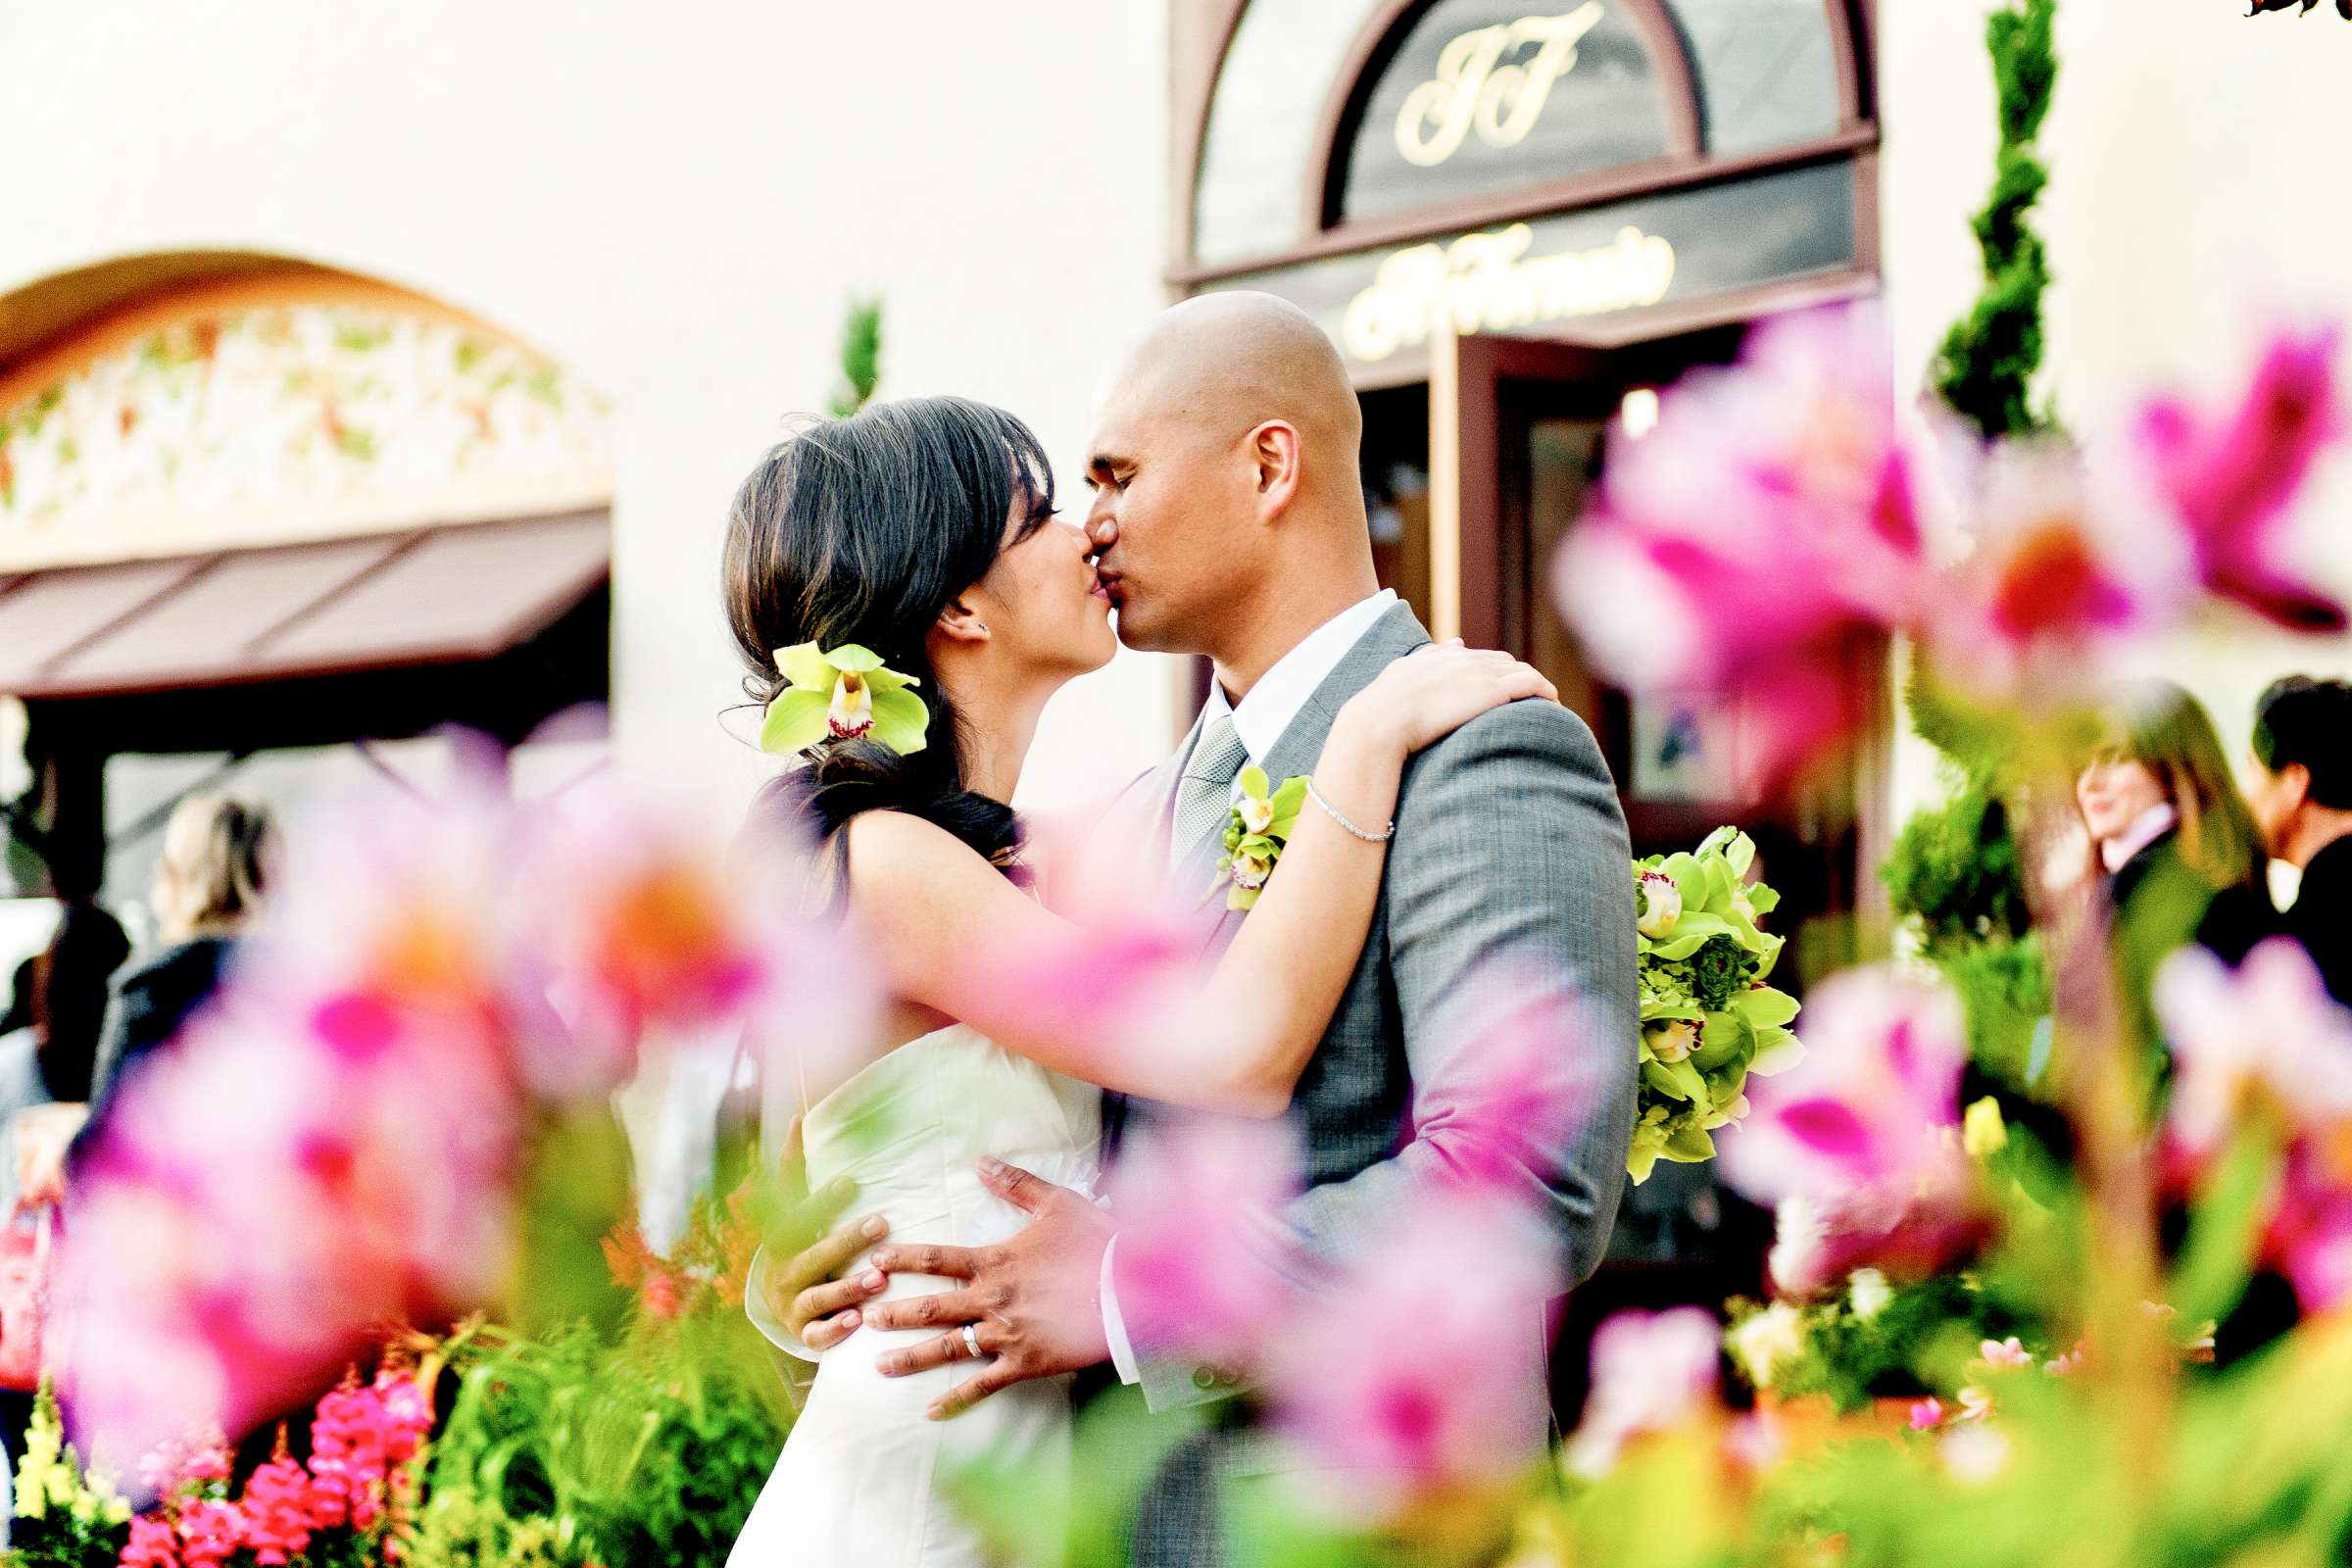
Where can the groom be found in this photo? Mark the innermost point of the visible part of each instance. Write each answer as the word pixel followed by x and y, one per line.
pixel 1228 519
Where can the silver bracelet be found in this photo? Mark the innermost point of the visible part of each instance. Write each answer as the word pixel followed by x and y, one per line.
pixel 1333 811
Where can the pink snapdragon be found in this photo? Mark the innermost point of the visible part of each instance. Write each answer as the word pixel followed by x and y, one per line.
pixel 2231 476
pixel 277 1512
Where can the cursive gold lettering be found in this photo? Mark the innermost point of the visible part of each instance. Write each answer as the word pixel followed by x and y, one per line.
pixel 1486 283
pixel 1475 87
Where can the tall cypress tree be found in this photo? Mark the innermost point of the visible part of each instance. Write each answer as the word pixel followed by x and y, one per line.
pixel 1987 365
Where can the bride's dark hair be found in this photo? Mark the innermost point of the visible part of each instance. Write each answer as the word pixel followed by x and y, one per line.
pixel 861 530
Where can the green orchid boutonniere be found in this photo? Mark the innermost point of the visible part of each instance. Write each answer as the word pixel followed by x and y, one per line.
pixel 846 695
pixel 1255 833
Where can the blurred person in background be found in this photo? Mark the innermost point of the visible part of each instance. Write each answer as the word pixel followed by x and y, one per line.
pixel 217 861
pixel 47 1057
pixel 2300 788
pixel 2173 841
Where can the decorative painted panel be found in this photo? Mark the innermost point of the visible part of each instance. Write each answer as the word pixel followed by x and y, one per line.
pixel 227 425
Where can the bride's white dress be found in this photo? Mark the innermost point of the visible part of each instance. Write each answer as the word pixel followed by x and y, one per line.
pixel 858 1482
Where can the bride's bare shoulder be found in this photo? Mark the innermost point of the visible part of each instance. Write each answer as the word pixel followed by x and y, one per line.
pixel 894 852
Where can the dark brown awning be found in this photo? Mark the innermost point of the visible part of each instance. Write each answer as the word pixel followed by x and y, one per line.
pixel 429 596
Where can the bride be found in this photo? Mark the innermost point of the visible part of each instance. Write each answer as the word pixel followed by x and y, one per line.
pixel 924 532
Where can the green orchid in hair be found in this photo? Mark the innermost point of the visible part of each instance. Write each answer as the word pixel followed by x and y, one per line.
pixel 843 694
pixel 1255 833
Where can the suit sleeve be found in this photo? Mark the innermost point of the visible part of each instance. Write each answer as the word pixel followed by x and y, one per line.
pixel 1511 859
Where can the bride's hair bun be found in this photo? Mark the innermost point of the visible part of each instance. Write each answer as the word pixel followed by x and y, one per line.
pixel 862 530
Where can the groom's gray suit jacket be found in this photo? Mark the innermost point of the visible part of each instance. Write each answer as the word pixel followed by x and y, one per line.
pixel 1510 856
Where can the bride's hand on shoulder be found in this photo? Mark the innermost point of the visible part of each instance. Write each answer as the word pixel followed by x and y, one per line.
pixel 1433 691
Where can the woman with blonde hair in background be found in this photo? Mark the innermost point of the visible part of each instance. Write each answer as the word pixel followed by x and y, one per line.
pixel 2172 837
pixel 218 857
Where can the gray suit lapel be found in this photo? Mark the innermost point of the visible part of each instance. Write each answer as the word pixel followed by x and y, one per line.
pixel 1397 634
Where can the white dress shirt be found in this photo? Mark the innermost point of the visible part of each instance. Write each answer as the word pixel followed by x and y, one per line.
pixel 1264 714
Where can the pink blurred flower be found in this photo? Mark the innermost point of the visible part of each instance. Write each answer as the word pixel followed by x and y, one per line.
pixel 2005 1355
pixel 2231 476
pixel 658 1296
pixel 1880 1080
pixel 2266 1030
pixel 2057 587
pixel 1199 1243
pixel 1650 1371
pixel 2311 1236
pixel 639 924
pixel 1905 1230
pixel 1412 1373
pixel 2266 1037
pixel 1512 1098
pixel 1761 534
pixel 1927 1414
pixel 268 1195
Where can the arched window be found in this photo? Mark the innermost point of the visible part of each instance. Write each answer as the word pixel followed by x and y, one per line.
pixel 1656 163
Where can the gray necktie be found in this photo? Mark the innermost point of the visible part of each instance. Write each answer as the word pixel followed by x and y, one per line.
pixel 1206 794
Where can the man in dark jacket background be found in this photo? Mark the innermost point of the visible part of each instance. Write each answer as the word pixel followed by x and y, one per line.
pixel 2300 790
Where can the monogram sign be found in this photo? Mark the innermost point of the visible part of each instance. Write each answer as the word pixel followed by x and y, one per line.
pixel 1486 283
pixel 1488 82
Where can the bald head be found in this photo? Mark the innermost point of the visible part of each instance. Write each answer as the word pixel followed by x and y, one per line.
pixel 1227 501
pixel 1224 362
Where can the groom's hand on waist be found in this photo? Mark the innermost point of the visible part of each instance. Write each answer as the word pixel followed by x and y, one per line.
pixel 1032 1305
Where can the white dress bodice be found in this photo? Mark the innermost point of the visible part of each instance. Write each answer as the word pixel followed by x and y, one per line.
pixel 859 1479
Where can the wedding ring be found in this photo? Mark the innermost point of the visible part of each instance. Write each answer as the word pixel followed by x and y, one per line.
pixel 971 1340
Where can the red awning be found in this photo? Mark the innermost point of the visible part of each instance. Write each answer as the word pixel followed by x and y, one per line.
pixel 427 595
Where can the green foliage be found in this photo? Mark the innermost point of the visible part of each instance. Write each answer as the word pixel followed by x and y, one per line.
pixel 65 1517
pixel 861 357
pixel 1908 1341
pixel 643 1444
pixel 1986 369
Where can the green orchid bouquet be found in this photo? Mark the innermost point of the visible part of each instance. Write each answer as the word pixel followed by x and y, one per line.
pixel 1708 1020
pixel 1255 833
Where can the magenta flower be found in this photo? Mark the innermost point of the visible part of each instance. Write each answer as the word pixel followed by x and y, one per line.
pixel 1516 1094
pixel 2058 588
pixel 2310 1237
pixel 1200 1245
pixel 1906 1231
pixel 264 1201
pixel 2266 1032
pixel 1873 1103
pixel 1759 538
pixel 1408 1375
pixel 1650 1371
pixel 2266 1039
pixel 153 1544
pixel 2231 476
pixel 640 925
pixel 1927 1414
pixel 276 1507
